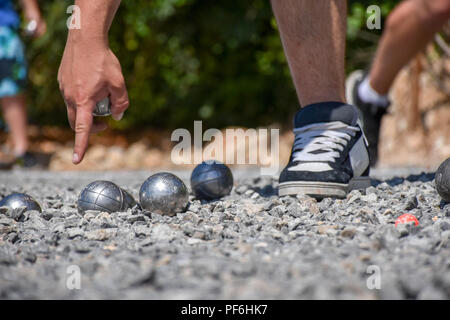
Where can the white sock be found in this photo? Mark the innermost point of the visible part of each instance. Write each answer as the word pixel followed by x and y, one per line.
pixel 369 95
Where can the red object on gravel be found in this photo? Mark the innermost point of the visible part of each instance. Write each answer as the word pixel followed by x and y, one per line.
pixel 405 218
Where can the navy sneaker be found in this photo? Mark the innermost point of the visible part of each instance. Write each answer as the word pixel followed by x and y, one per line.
pixel 329 157
pixel 27 160
pixel 370 114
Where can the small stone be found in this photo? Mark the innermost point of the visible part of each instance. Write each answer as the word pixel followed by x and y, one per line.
pixel 403 229
pixel 444 225
pixel 293 224
pixel 47 215
pixel 89 215
pixel 36 221
pixel 294 210
pixel 277 211
pixel 269 205
pixel 100 234
pixel 372 197
pixel 248 193
pixel 313 207
pixel 75 232
pixel 353 196
pixel 13 237
pixel 255 196
pixel 134 218
pixel 163 233
pixel 30 257
pixel 7 258
pixel 72 222
pixel 193 241
pixel 323 229
pixel 6 221
pixel 365 257
pixel 261 245
pixel 411 203
pixel 58 228
pixel 241 189
pixel 142 231
pixel 17 213
pixel 348 232
pixel 199 235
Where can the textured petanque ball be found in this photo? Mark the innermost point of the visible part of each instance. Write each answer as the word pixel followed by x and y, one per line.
pixel 128 200
pixel 101 196
pixel 17 200
pixel 211 180
pixel 164 193
pixel 442 180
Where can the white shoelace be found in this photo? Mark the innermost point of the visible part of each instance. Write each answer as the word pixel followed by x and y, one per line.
pixel 327 137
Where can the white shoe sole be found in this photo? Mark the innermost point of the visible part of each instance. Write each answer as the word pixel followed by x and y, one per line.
pixel 319 189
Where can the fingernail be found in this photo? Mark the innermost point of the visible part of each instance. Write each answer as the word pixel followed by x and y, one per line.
pixel 118 117
pixel 75 158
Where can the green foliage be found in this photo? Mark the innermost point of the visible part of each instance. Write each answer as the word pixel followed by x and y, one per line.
pixel 362 42
pixel 220 61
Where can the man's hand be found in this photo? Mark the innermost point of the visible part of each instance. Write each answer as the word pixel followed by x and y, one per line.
pixel 89 72
pixel 32 13
pixel 87 75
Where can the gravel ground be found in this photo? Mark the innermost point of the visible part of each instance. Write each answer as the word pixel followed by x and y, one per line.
pixel 249 245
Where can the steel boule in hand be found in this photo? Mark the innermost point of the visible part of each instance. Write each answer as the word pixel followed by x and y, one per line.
pixel 103 108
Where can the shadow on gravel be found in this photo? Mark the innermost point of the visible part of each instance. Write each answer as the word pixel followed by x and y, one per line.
pixel 266 191
pixel 423 177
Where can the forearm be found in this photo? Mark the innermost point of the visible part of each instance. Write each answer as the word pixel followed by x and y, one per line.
pixel 30 8
pixel 96 18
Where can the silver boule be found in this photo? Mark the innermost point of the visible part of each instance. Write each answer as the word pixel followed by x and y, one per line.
pixel 31 28
pixel 164 193
pixel 103 108
pixel 101 196
pixel 17 200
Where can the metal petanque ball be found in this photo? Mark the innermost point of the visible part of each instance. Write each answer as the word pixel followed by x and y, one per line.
pixel 164 193
pixel 211 180
pixel 103 108
pixel 101 196
pixel 17 200
pixel 128 200
pixel 442 180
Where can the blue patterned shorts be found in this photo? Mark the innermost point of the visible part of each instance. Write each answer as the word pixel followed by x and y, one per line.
pixel 13 67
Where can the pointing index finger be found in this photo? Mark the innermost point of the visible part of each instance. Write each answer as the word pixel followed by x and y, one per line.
pixel 83 125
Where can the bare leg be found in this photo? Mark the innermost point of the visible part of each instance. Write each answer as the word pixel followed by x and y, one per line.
pixel 14 112
pixel 313 36
pixel 409 27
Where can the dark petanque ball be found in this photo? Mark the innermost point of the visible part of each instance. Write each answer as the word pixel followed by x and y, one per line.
pixel 128 200
pixel 17 200
pixel 211 180
pixel 442 180
pixel 164 193
pixel 101 196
